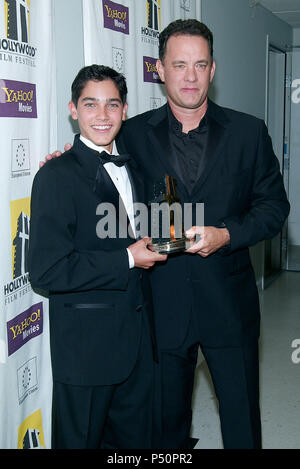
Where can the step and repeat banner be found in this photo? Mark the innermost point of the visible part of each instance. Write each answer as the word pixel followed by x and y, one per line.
pixel 27 129
pixel 124 35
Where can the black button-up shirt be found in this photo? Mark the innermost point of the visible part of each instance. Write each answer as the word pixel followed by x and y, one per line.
pixel 188 150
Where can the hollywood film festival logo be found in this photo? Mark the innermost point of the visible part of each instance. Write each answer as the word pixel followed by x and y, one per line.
pixel 15 44
pixel 20 225
pixel 150 32
pixel 31 432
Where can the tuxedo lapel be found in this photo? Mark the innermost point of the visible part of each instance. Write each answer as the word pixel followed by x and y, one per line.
pixel 136 182
pixel 215 143
pixel 138 197
pixel 105 190
pixel 218 135
pixel 159 136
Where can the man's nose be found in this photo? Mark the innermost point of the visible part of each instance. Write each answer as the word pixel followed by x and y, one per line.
pixel 102 113
pixel 190 74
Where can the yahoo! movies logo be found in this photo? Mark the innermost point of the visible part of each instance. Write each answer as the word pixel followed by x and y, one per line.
pixel 150 70
pixel 24 327
pixel 17 99
pixel 116 17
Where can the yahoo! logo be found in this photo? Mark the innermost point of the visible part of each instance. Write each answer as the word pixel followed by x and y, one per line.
pixel 24 327
pixel 150 70
pixel 116 17
pixel 17 99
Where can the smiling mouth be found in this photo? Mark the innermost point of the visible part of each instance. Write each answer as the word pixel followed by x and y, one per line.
pixel 101 128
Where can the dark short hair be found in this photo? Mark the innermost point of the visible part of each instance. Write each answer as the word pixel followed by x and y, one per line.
pixel 98 73
pixel 190 27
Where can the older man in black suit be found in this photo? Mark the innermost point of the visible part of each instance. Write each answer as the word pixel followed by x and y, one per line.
pixel 207 296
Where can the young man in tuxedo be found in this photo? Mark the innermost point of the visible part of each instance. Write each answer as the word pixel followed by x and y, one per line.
pixel 101 335
pixel 207 297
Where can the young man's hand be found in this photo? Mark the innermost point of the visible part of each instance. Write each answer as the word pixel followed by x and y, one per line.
pixel 143 257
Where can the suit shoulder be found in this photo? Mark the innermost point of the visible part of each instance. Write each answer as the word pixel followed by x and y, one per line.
pixel 65 161
pixel 57 166
pixel 242 118
pixel 140 119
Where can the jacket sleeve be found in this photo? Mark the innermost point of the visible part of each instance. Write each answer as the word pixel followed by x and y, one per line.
pixel 268 208
pixel 54 262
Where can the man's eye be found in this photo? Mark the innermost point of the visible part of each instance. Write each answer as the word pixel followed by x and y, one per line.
pixel 89 104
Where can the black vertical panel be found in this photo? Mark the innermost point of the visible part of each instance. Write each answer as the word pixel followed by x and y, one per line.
pixel 23 24
pixel 12 27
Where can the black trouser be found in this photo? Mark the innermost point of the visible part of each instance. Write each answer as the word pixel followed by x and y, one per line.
pixel 235 375
pixel 115 416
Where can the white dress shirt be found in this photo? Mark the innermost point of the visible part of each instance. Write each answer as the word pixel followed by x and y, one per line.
pixel 119 177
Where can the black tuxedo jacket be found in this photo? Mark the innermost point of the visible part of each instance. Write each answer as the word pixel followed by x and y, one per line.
pixel 241 187
pixel 96 302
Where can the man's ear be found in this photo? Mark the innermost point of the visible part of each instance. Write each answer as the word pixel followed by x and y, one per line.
pixel 125 108
pixel 73 110
pixel 212 71
pixel 160 70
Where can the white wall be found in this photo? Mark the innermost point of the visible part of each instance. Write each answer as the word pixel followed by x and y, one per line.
pixel 240 35
pixel 294 174
pixel 240 43
pixel 70 59
pixel 296 37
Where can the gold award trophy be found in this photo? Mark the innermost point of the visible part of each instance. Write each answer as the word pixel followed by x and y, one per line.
pixel 167 231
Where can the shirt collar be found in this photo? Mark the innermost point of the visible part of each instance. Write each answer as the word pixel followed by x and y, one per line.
pixel 176 126
pixel 98 148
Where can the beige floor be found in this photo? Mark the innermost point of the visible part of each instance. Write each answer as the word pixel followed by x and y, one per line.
pixel 280 376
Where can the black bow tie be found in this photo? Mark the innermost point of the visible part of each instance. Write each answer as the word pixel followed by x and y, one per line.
pixel 118 160
pixel 102 178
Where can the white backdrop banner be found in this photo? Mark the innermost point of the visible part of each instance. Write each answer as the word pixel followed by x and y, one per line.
pixel 28 130
pixel 124 35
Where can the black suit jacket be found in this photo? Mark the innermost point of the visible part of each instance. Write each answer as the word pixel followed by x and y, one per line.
pixel 240 186
pixel 96 302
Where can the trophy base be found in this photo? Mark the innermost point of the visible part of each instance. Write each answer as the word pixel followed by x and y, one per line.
pixel 169 247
